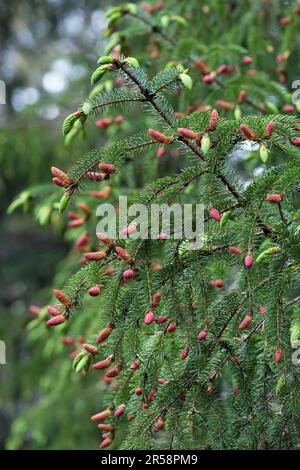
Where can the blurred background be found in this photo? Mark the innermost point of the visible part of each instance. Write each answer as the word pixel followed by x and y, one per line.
pixel 48 50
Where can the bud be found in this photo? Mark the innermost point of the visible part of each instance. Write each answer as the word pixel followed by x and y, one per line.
pixel 278 355
pixel 213 121
pixel 104 334
pixel 128 274
pixel 119 411
pixel 225 104
pixel 152 394
pixel 159 136
pixel 160 424
pixel 210 389
pixel 132 61
pixel 95 255
pixel 53 310
pixel 130 417
pixel 171 327
pixel 247 60
pixel 185 352
pixel 163 381
pixel 82 241
pixel 215 214
pixel 109 271
pixel 104 239
pixel 155 299
pixel 186 80
pixel 288 109
pixel 94 291
pixel 105 443
pixel 189 134
pixel 224 68
pixel 105 427
pixel 98 73
pixel 248 132
pixel 122 253
pixel 95 176
pixel 217 283
pixel 103 123
pixel 135 365
pixel 160 152
pixel 275 198
pixel 246 322
pixel 162 319
pixel 103 364
pixel 64 201
pixel 61 175
pixel 107 168
pixel 74 223
pixel 202 335
pixel 118 120
pixel 114 371
pixel 138 391
pixel 264 153
pixel 90 348
pixel 295 141
pixel 205 144
pixel 266 253
pixel 209 78
pixel 57 320
pixel 235 390
pixel 269 129
pixel 242 96
pixel 261 309
pixel 234 249
pixel 107 59
pixel 202 67
pixel 58 182
pixel 149 318
pixel 35 310
pixel 130 229
pixel 163 236
pixel 248 261
pixel 62 298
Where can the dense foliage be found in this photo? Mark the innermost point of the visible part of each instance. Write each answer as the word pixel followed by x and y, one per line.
pixel 194 347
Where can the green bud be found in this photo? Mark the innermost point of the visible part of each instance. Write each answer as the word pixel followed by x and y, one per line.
pixel 113 43
pixel 111 11
pixel 180 20
pixel 106 59
pixel 78 358
pixel 186 80
pixel 99 72
pixel 83 364
pixel 132 8
pixel 266 253
pixel 237 113
pixel 280 385
pixel 44 214
pixel 113 18
pixel 87 107
pixel 264 153
pixel 132 62
pixel 271 107
pixel 295 332
pixel 205 144
pixel 165 20
pixel 69 122
pixel 228 215
pixel 63 203
pixel 297 104
pixel 21 200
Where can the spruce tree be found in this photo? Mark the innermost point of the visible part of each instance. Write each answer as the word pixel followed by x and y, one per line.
pixel 194 347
